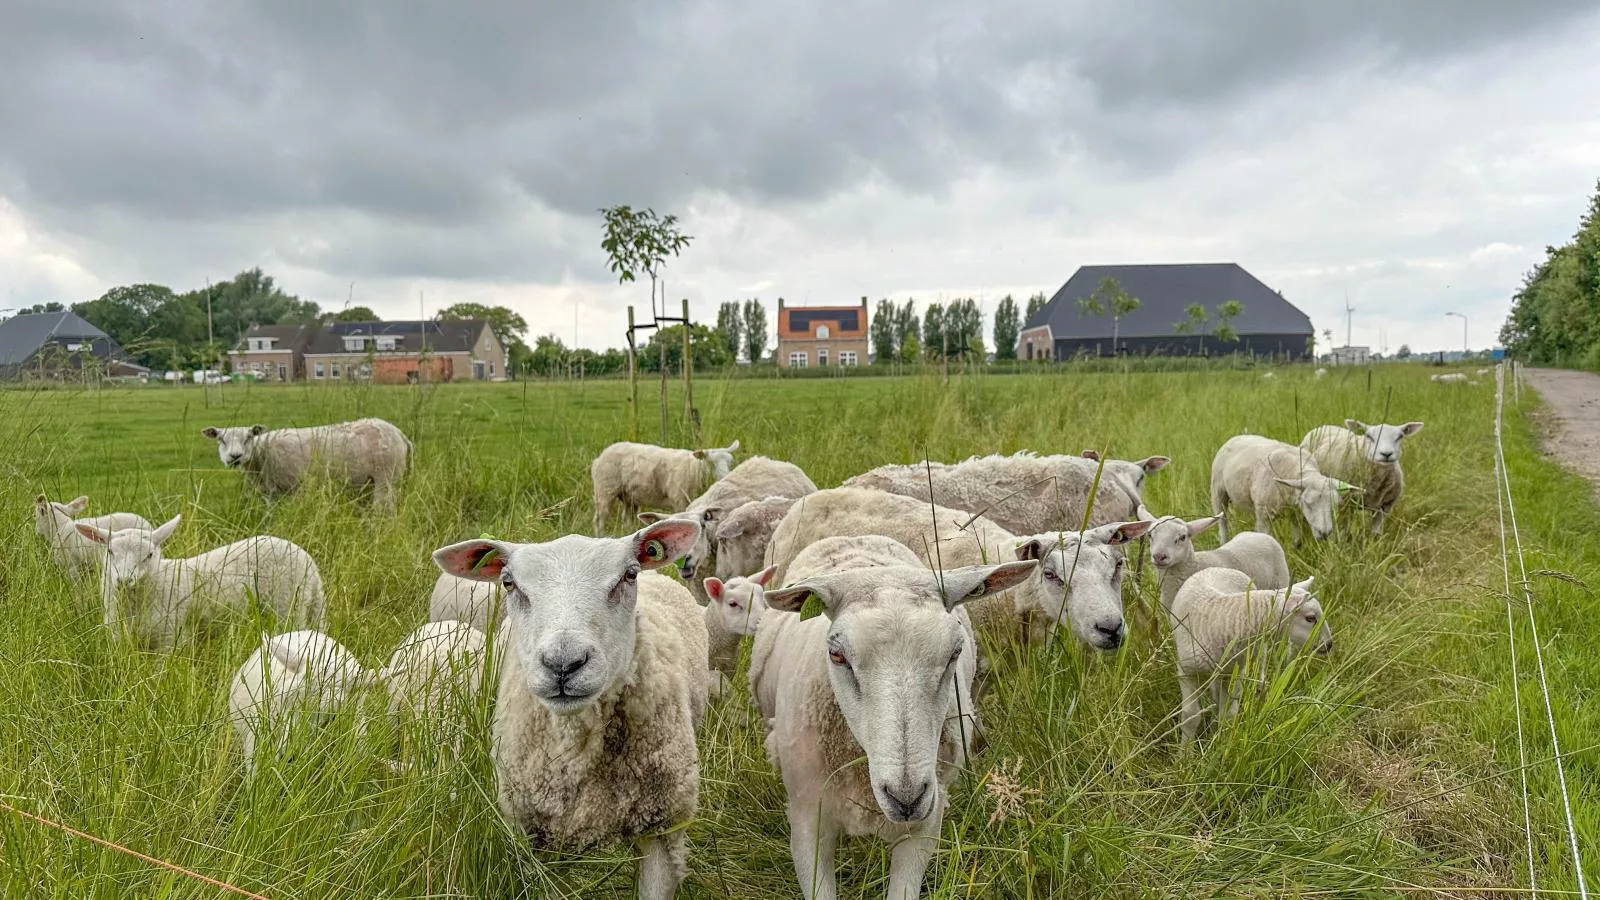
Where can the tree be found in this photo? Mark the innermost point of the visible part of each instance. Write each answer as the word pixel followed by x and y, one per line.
pixel 1109 297
pixel 508 326
pixel 730 325
pixel 910 349
pixel 1035 303
pixel 884 335
pixel 667 343
pixel 1195 321
pixel 1404 352
pixel 548 356
pixel 640 242
pixel 1555 314
pixel 933 331
pixel 755 330
pixel 50 307
pixel 358 314
pixel 129 314
pixel 1226 313
pixel 963 322
pixel 906 325
pixel 1005 328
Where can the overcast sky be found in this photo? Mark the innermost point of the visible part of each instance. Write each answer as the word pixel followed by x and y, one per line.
pixel 1418 155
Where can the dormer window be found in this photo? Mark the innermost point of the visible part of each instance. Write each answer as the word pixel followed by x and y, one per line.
pixel 386 343
pixel 822 332
pixel 261 343
pixel 355 344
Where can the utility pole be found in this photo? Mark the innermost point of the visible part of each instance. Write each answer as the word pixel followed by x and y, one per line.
pixel 1349 313
pixel 1463 318
pixel 211 338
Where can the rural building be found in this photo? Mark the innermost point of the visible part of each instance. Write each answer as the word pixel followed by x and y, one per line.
pixel 382 352
pixel 1267 325
pixel 59 345
pixel 1350 356
pixel 821 335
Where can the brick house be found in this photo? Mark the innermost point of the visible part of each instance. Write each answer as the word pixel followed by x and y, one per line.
pixel 822 335
pixel 60 344
pixel 381 352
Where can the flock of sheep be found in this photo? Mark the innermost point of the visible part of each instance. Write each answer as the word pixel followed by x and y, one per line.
pixel 864 602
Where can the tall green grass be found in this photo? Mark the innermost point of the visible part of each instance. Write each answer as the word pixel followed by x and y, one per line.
pixel 1388 767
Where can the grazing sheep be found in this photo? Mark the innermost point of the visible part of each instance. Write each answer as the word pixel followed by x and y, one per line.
pixel 885 671
pixel 1449 377
pixel 1368 455
pixel 1218 619
pixel 358 453
pixel 742 536
pixel 602 690
pixel 637 476
pixel 1267 476
pixel 465 600
pixel 732 615
pixel 1024 493
pixel 72 551
pixel 1269 374
pixel 298 674
pixel 1255 553
pixel 1485 371
pixel 434 675
pixel 278 574
pixel 1320 373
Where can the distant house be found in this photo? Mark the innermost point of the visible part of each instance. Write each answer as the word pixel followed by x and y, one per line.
pixel 1266 325
pixel 58 345
pixel 1350 356
pixel 381 352
pixel 821 335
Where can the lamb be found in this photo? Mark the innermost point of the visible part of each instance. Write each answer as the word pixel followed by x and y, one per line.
pixel 434 675
pixel 885 671
pixel 1218 620
pixel 298 674
pixel 602 690
pixel 359 453
pixel 1320 373
pixel 1269 374
pixel 1255 553
pixel 478 603
pixel 278 574
pixel 733 614
pixel 1368 455
pixel 742 535
pixel 55 523
pixel 635 476
pixel 1024 493
pixel 1267 476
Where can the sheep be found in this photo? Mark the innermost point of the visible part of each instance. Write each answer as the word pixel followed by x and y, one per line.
pixel 742 535
pixel 1218 619
pixel 1320 373
pixel 278 574
pixel 885 671
pixel 734 612
pixel 602 690
pixel 358 453
pixel 55 523
pixel 478 603
pixel 1449 377
pixel 1024 493
pixel 301 673
pixel 434 675
pixel 1254 553
pixel 1266 476
pixel 1269 374
pixel 635 476
pixel 1364 454
pixel 1482 372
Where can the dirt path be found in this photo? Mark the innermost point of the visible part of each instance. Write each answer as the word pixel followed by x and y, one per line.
pixel 1572 433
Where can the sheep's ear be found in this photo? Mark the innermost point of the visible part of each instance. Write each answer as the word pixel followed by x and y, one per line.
pixel 650 518
pixel 1410 428
pixel 669 539
pixel 793 597
pixel 1119 532
pixel 211 433
pixel 475 560
pixel 699 454
pixel 1034 548
pixel 713 587
pixel 1154 464
pixel 733 447
pixel 1295 483
pixel 1356 425
pixel 75 506
pixel 970 583
pixel 257 430
pixel 93 532
pixel 1200 525
pixel 1302 587
pixel 1091 454
pixel 730 530
pixel 764 576
pixel 166 529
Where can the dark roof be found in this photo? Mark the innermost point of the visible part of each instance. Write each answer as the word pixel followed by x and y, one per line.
pixel 442 337
pixel 289 337
pixel 22 336
pixel 802 321
pixel 1164 292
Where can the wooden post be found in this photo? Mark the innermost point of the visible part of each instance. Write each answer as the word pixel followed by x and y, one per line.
pixel 662 347
pixel 633 383
pixel 688 377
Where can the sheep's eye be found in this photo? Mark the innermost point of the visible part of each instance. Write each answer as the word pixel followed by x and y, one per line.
pixel 1311 617
pixel 837 658
pixel 507 582
pixel 632 574
pixel 1052 576
pixel 733 604
pixel 956 655
pixel 1182 538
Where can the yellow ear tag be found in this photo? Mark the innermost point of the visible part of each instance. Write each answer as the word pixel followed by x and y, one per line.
pixel 812 607
pixel 654 549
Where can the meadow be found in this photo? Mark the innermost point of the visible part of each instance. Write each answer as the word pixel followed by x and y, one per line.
pixel 1388 769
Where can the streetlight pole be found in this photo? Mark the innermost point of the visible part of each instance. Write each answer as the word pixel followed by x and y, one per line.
pixel 1464 350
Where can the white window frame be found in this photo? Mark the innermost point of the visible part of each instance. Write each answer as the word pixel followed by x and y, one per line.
pixel 799 359
pixel 317 369
pixel 822 356
pixel 355 344
pixel 333 370
pixel 386 343
pixel 847 358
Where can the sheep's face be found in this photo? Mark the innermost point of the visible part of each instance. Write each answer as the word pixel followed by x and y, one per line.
pixel 132 554
pixel 570 604
pixel 1304 622
pixel 1172 540
pixel 719 459
pixel 47 514
pixel 235 446
pixel 740 601
pixel 895 653
pixel 1079 580
pixel 1381 443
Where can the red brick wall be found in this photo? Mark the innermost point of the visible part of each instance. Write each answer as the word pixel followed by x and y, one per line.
pixel 394 371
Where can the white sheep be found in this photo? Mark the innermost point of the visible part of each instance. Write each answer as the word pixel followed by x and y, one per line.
pixel 1024 493
pixel 434 676
pixel 1218 620
pixel 1449 377
pixel 276 573
pixel 885 671
pixel 1269 374
pixel 1368 455
pixel 1255 553
pixel 57 524
pixel 303 675
pixel 478 603
pixel 1484 371
pixel 1267 476
pixel 359 453
pixel 602 690
pixel 1320 373
pixel 733 614
pixel 638 476
pixel 742 535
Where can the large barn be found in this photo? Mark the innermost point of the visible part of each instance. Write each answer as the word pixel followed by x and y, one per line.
pixel 1267 324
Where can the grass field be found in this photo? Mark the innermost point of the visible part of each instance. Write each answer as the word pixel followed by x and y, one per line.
pixel 1388 769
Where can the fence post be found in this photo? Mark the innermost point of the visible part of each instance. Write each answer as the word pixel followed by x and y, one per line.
pixel 633 383
pixel 688 377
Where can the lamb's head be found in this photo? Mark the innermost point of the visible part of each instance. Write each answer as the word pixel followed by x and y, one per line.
pixel 895 651
pixel 49 516
pixel 1171 540
pixel 132 554
pixel 570 603
pixel 720 459
pixel 741 600
pixel 235 446
pixel 1316 494
pixel 1381 443
pixel 1303 620
pixel 1080 579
